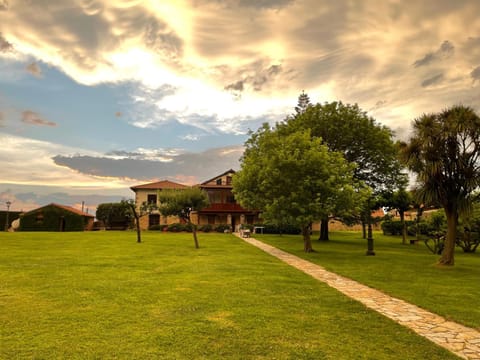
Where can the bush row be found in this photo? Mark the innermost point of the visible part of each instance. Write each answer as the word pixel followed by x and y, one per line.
pixel 278 229
pixel 178 227
pixel 267 228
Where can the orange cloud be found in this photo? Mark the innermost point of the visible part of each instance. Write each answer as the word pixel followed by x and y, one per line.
pixel 32 118
pixel 34 69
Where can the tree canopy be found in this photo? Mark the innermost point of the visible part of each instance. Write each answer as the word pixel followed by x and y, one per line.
pixel 444 153
pixel 113 215
pixel 292 178
pixel 347 129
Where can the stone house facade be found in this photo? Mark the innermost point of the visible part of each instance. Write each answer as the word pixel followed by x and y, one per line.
pixel 223 208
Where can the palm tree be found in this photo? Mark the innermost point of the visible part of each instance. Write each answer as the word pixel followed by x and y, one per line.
pixel 444 153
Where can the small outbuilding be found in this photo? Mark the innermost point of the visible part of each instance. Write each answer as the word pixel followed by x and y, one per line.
pixel 55 217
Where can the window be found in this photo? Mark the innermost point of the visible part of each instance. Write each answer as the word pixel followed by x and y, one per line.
pixel 229 180
pixel 39 218
pixel 250 219
pixel 230 199
pixel 153 219
pixel 151 199
pixel 211 219
pixel 219 181
pixel 215 197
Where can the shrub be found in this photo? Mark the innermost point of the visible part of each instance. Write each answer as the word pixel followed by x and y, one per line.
pixel 468 240
pixel 205 228
pixel 433 230
pixel 280 229
pixel 222 227
pixel 175 227
pixel 468 232
pixel 394 227
pixel 158 227
pixel 435 242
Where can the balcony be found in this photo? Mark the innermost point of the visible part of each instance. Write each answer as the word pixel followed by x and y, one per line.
pixel 219 207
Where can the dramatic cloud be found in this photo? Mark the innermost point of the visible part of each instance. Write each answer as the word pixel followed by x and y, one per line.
pixel 34 69
pixel 227 61
pixel 433 80
pixel 445 51
pixel 29 168
pixel 198 166
pixel 5 46
pixel 32 118
pixel 162 40
pixel 3 5
pixel 475 74
pixel 267 4
pixel 162 155
pixel 256 81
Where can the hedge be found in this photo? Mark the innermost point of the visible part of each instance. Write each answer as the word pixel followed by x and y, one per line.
pixel 50 220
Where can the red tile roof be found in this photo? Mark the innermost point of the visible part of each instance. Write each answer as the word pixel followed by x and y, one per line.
pixel 165 184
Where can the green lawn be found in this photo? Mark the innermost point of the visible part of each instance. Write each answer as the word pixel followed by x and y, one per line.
pixel 100 295
pixel 408 272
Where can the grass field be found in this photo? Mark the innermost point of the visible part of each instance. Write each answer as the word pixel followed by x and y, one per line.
pixel 409 272
pixel 100 295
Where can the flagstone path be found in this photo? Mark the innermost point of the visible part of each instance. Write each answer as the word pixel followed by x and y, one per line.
pixel 459 339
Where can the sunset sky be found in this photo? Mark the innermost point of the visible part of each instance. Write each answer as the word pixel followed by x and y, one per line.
pixel 100 95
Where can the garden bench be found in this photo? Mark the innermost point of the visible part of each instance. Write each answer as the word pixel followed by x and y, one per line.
pixel 245 233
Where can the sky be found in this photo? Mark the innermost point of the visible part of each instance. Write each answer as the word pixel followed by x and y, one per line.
pixel 97 96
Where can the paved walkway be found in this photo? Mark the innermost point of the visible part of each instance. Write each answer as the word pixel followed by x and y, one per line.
pixel 459 339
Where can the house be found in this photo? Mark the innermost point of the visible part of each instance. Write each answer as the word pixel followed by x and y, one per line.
pixel 223 208
pixel 148 193
pixel 56 217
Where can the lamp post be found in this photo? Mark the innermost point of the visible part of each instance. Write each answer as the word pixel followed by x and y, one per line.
pixel 8 203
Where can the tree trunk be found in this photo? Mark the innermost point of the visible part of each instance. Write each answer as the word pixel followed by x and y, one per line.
pixel 307 242
pixel 449 248
pixel 139 232
pixel 324 230
pixel 364 230
pixel 194 232
pixel 370 251
pixel 137 223
pixel 404 227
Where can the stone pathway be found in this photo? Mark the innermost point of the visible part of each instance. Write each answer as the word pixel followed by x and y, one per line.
pixel 459 339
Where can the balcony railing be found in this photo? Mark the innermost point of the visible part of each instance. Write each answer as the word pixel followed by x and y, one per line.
pixel 223 207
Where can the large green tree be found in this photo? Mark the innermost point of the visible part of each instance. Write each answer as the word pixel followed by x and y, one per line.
pixel 182 203
pixel 120 214
pixel 347 129
pixel 292 178
pixel 444 153
pixel 113 215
